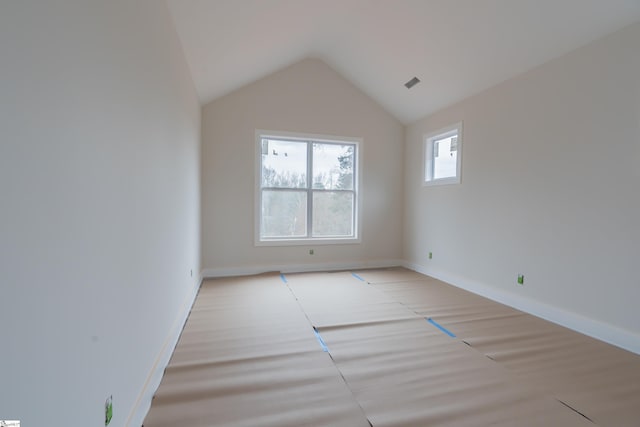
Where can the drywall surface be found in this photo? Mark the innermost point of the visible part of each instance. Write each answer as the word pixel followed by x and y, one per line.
pixel 99 182
pixel 307 97
pixel 549 188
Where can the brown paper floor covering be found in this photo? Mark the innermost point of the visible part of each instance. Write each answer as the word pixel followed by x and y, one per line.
pixel 249 356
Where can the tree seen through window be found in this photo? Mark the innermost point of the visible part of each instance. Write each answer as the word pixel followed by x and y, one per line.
pixel 296 207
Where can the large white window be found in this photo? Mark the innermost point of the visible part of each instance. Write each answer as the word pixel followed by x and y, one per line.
pixel 307 189
pixel 443 156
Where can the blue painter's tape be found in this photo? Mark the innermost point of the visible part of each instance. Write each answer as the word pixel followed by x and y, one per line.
pixel 357 277
pixel 442 328
pixel 321 341
pixel 284 279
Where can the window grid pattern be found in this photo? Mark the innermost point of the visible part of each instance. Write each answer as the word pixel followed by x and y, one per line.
pixel 308 189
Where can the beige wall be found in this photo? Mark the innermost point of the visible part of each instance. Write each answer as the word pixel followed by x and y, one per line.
pixel 307 97
pixel 550 189
pixel 99 186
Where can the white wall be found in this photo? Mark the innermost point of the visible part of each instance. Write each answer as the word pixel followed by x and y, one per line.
pixel 307 97
pixel 99 214
pixel 550 189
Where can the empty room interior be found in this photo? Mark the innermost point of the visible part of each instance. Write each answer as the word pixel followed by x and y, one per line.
pixel 258 213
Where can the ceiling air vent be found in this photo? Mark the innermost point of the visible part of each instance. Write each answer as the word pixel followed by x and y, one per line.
pixel 411 83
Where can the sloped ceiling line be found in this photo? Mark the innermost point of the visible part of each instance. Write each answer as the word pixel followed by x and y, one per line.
pixel 456 48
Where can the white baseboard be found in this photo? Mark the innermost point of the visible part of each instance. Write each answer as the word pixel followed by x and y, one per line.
pixel 299 268
pixel 143 403
pixel 594 328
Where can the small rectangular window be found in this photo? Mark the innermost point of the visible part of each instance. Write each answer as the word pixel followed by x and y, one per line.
pixel 307 189
pixel 443 156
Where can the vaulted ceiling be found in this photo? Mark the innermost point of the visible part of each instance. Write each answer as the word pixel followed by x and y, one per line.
pixel 455 47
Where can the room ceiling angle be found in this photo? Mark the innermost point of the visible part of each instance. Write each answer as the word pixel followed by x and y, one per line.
pixel 455 48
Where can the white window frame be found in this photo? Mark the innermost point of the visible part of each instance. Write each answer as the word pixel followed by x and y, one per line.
pixel 309 240
pixel 428 155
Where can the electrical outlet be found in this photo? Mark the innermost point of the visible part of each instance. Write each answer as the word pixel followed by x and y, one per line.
pixel 311 252
pixel 520 279
pixel 108 410
pixel 430 255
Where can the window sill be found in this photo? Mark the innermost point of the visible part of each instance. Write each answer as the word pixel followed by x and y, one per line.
pixel 442 181
pixel 308 242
